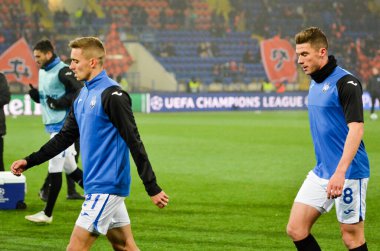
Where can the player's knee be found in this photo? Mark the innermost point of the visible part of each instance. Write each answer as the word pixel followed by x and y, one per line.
pixel 73 247
pixel 127 246
pixel 352 239
pixel 291 231
pixel 296 233
pixel 70 247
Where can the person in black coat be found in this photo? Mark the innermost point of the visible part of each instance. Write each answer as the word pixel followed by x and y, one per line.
pixel 5 97
pixel 374 90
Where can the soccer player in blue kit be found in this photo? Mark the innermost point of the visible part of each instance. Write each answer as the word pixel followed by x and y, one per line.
pixel 102 118
pixel 341 173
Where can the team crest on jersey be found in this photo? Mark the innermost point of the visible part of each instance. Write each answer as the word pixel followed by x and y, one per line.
pixel 93 102
pixel 326 86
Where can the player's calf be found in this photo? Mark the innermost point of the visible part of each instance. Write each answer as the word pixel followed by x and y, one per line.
pixel 307 244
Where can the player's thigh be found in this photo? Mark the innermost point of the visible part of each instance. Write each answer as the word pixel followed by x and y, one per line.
pixel 301 219
pixel 121 238
pixel 313 193
pixel 81 239
pixel 119 232
pixel 311 201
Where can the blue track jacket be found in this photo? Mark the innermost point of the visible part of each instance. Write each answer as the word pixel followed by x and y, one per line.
pixel 102 118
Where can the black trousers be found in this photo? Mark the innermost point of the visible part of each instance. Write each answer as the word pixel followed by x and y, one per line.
pixel 374 96
pixel 1 153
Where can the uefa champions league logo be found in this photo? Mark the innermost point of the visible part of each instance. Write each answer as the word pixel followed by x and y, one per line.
pixel 156 103
pixel 2 198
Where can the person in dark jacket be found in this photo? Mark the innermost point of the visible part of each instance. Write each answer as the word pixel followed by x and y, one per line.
pixel 374 90
pixel 5 97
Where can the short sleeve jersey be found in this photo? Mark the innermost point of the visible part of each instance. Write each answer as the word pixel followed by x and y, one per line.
pixel 334 102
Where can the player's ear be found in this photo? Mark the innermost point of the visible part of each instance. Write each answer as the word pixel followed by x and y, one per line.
pixel 322 52
pixel 93 62
pixel 49 54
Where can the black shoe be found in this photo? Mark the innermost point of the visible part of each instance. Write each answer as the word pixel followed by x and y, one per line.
pixel 43 195
pixel 75 196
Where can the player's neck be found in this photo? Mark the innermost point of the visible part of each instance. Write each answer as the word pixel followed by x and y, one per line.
pixel 94 73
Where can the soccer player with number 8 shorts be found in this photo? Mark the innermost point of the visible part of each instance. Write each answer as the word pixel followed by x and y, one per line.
pixel 341 173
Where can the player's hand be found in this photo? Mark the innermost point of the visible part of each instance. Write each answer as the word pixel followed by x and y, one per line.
pixel 161 199
pixel 335 185
pixel 52 103
pixel 18 167
pixel 33 93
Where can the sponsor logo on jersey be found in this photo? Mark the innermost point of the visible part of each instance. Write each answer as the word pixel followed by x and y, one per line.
pixel 117 93
pixel 352 82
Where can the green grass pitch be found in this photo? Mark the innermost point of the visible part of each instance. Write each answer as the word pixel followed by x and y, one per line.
pixel 231 178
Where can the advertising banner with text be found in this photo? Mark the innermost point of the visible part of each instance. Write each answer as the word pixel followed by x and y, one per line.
pixel 231 102
pixel 23 105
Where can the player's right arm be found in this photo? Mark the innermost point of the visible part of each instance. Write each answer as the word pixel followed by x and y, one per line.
pixel 18 167
pixel 66 137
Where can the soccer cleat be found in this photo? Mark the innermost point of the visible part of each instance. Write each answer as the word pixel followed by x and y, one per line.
pixel 39 217
pixel 75 196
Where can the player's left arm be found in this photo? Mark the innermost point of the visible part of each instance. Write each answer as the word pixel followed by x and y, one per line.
pixel 350 95
pixel 118 106
pixel 72 86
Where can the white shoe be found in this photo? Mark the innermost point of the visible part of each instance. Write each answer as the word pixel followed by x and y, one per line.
pixel 373 116
pixel 39 217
